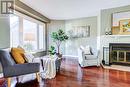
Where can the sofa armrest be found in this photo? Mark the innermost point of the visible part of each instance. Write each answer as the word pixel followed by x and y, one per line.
pixel 21 69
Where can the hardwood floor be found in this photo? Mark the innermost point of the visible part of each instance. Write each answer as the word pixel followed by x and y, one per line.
pixel 72 75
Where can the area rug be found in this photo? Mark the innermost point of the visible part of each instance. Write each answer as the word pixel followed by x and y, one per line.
pixel 3 82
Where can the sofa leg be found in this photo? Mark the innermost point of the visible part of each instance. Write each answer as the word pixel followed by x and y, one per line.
pixel 8 82
pixel 38 77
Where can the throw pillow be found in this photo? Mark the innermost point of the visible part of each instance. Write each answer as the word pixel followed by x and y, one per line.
pixel 21 47
pixel 87 50
pixel 18 55
pixel 29 57
pixel 82 48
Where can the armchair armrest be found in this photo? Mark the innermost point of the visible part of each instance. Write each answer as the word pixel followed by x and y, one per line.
pixel 90 57
pixel 81 56
pixel 21 69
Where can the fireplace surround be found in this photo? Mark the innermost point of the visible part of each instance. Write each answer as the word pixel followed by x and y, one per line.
pixel 119 53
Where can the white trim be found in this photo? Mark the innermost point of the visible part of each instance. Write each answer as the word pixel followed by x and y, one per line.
pixel 71 56
pixel 27 17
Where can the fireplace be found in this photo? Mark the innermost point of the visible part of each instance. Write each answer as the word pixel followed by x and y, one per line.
pixel 119 53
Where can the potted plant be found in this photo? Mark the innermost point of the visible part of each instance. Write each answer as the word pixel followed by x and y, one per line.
pixel 59 37
pixel 52 50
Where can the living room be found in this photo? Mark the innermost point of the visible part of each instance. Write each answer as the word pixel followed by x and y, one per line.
pixel 68 43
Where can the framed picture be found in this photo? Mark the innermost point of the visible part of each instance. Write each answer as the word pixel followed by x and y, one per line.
pixel 79 32
pixel 121 23
pixel 124 26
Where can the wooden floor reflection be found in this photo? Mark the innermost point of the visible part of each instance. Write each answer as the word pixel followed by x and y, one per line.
pixel 72 75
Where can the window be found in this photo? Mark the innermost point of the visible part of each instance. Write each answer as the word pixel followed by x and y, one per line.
pixel 29 34
pixel 14 30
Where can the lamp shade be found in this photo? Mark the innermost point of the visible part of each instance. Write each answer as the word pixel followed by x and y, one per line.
pixel 29 37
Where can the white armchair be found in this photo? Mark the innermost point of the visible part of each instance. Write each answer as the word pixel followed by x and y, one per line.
pixel 87 59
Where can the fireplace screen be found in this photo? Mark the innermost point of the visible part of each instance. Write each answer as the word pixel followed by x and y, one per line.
pixel 127 56
pixel 119 53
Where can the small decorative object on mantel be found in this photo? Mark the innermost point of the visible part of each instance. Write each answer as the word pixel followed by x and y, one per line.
pixel 110 33
pixel 106 33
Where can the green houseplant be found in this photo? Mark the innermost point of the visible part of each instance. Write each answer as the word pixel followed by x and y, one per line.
pixel 52 50
pixel 59 37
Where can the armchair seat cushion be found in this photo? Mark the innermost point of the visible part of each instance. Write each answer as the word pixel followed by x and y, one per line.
pixel 90 57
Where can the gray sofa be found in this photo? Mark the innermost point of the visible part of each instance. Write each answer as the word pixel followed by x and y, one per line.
pixel 11 69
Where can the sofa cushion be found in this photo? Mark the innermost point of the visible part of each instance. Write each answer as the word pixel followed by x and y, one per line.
pixel 18 55
pixel 87 50
pixel 21 47
pixel 82 48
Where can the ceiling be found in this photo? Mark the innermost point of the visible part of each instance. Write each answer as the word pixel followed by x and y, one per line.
pixel 71 9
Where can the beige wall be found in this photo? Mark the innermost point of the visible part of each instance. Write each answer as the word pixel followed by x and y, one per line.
pixel 4 30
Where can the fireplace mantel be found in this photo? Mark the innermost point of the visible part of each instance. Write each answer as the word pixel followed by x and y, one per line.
pixel 116 35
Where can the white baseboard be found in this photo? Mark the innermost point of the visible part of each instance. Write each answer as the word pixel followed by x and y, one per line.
pixel 70 56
